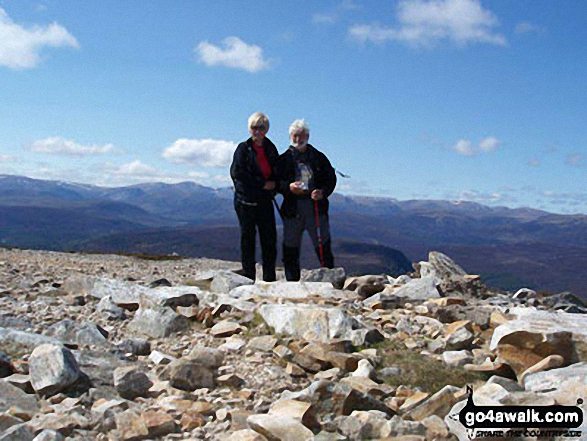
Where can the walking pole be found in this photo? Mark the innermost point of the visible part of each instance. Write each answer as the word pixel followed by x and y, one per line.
pixel 319 234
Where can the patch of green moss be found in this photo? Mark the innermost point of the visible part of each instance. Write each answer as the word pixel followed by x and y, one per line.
pixel 421 371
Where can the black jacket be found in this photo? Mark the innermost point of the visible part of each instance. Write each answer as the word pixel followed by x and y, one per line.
pixel 246 174
pixel 324 179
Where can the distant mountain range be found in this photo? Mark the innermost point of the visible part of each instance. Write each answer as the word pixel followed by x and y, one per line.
pixel 510 248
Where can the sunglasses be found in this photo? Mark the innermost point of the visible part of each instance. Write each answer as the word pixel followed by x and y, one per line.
pixel 258 128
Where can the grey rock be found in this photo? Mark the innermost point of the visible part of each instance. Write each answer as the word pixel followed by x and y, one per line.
pixel 367 286
pixel 226 281
pixel 460 339
pixel 571 379
pixel 457 358
pixel 27 340
pixel 455 313
pixel 135 346
pixel 69 331
pixel 548 325
pixel 6 368
pixel 416 289
pixel 52 369
pixel 10 321
pixel 129 295
pixel 443 266
pixel 11 396
pixel 389 372
pixel 399 427
pixel 275 427
pixel 284 290
pixel 99 365
pixel 524 293
pixel 264 343
pixel 49 435
pixel 7 421
pixel 20 432
pixel 107 308
pixel 307 321
pixel 506 383
pixel 158 322
pixel 336 276
pixel 353 428
pixel 130 382
pixel 188 374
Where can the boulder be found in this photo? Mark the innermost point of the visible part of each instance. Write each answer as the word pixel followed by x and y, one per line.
pixel 298 410
pixel 196 371
pixel 13 397
pixel 438 404
pixel 52 368
pixel 26 340
pixel 6 368
pixel 130 382
pixel 110 310
pixel 366 286
pixel 158 322
pixel 416 289
pixel 71 332
pixel 284 290
pixel 534 335
pixel 457 358
pixel 135 346
pixel 565 384
pixel 130 426
pixel 225 281
pixel 129 295
pixel 20 432
pixel 335 276
pixel 307 321
pixel 275 427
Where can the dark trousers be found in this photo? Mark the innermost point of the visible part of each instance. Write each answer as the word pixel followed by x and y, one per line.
pixel 293 229
pixel 257 217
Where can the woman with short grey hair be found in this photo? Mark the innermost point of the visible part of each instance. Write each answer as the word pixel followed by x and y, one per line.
pixel 253 174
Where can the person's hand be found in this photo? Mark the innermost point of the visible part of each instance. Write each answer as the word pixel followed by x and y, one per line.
pixel 317 195
pixel 296 187
pixel 269 185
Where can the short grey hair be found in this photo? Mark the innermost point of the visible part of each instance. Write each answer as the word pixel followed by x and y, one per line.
pixel 297 125
pixel 259 119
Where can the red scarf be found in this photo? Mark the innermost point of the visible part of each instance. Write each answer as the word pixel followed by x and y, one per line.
pixel 262 161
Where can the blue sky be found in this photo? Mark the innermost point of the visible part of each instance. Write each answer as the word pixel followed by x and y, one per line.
pixel 474 100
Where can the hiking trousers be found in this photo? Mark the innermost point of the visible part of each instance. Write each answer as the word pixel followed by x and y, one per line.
pixel 252 218
pixel 293 230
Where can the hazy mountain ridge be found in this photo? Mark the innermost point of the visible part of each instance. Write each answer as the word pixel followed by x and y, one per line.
pixel 507 246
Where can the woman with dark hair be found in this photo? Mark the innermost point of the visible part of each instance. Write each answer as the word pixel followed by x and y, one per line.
pixel 253 174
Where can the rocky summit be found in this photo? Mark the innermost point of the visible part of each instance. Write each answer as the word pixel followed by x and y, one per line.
pixel 105 347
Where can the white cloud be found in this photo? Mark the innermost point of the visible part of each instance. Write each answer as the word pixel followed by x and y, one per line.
pixel 320 18
pixel 62 146
pixel 350 5
pixel 20 48
pixel 136 168
pixel 464 147
pixel 488 145
pixel 235 53
pixel 526 28
pixel 425 23
pixel 202 152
